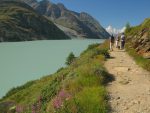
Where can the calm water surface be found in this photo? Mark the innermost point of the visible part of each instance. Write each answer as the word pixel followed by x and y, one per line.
pixel 24 61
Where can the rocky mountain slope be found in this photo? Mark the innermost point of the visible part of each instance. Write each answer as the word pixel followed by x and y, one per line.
pixel 20 22
pixel 84 24
pixel 138 37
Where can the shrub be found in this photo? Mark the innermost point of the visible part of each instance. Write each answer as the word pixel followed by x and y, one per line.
pixel 71 57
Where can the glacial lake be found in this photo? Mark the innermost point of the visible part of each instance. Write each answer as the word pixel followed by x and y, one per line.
pixel 24 61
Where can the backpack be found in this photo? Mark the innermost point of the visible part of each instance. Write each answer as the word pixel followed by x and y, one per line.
pixel 112 38
pixel 122 37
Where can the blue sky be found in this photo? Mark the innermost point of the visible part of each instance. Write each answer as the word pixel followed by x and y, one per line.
pixel 112 12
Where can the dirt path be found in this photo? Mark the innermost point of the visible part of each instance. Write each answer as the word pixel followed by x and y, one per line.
pixel 130 91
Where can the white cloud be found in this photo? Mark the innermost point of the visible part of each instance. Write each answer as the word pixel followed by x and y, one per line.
pixel 114 31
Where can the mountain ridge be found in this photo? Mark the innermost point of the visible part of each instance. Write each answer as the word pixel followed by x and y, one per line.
pixel 85 25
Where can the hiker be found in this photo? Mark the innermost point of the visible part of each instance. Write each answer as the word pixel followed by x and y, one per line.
pixel 122 41
pixel 112 39
pixel 117 41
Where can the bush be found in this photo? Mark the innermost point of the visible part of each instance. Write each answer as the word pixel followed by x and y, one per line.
pixel 71 57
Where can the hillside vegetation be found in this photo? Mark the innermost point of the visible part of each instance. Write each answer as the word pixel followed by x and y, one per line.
pixel 19 22
pixel 138 43
pixel 77 88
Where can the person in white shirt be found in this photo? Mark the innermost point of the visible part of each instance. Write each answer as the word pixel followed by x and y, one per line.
pixel 122 41
pixel 117 41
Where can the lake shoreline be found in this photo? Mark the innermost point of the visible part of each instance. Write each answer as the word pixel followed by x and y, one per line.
pixel 16 58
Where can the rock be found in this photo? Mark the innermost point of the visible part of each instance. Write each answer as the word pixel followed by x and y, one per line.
pixel 117 103
pixel 126 108
pixel 122 69
pixel 118 98
pixel 124 82
pixel 136 102
pixel 129 69
pixel 139 102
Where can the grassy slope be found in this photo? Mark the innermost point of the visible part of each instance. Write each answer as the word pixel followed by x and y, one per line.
pixel 78 88
pixel 19 22
pixel 134 34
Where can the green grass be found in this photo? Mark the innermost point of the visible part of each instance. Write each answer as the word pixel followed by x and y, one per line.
pixel 143 62
pixel 136 29
pixel 84 80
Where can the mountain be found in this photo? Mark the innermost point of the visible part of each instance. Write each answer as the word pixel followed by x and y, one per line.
pixel 20 22
pixel 138 37
pixel 82 23
pixel 115 31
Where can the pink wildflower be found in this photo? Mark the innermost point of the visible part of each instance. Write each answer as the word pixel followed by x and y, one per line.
pixel 33 109
pixel 59 100
pixel 57 103
pixel 19 109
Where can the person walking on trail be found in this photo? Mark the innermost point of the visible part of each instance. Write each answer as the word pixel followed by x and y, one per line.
pixel 117 41
pixel 112 40
pixel 122 41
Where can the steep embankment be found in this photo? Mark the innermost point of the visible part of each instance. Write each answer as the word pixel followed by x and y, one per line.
pixel 19 22
pixel 84 24
pixel 77 88
pixel 138 43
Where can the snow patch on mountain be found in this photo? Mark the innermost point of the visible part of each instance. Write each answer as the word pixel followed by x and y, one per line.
pixel 111 30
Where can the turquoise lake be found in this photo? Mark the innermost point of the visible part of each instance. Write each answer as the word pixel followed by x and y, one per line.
pixel 24 61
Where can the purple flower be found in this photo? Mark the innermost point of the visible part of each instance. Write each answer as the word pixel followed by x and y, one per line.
pixel 59 100
pixel 39 103
pixel 64 95
pixel 57 103
pixel 19 109
pixel 33 109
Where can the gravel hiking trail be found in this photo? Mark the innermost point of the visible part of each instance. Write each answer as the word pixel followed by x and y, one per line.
pixel 130 90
